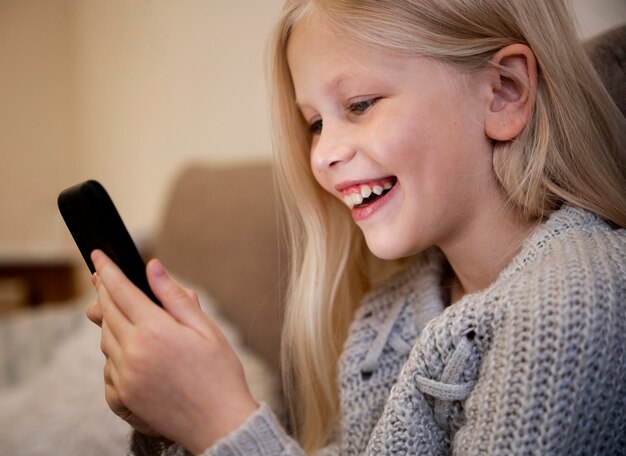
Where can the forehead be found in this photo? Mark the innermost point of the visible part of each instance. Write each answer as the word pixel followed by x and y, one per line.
pixel 318 53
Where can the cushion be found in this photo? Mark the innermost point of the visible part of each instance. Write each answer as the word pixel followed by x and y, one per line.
pixel 220 232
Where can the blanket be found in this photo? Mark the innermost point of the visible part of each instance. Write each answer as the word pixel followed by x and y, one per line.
pixel 51 383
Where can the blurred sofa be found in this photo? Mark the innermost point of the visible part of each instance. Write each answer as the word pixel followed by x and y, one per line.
pixel 608 56
pixel 218 236
pixel 220 232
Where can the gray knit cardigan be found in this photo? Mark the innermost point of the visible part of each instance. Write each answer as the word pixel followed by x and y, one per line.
pixel 534 364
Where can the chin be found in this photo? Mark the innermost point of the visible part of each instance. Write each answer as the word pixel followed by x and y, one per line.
pixel 387 249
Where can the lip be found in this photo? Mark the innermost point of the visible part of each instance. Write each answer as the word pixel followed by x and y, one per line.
pixel 340 187
pixel 362 213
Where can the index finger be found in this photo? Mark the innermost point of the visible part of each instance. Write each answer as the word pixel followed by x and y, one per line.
pixel 133 303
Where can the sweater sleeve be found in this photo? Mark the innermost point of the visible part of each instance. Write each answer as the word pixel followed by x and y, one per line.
pixel 552 381
pixel 260 435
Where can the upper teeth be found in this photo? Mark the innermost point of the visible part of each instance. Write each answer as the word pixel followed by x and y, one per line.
pixel 365 191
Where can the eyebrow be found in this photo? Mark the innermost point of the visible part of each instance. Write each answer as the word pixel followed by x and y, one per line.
pixel 333 83
pixel 336 81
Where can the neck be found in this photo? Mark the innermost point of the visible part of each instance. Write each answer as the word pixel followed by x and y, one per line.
pixel 486 246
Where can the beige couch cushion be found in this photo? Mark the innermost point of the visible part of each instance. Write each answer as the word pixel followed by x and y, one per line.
pixel 608 55
pixel 220 232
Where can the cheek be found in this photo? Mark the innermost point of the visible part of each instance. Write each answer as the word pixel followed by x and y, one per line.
pixel 404 146
pixel 435 139
pixel 408 129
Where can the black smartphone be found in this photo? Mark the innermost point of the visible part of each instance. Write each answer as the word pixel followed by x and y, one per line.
pixel 94 223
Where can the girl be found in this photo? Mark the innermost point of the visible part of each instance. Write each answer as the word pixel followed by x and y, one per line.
pixel 471 296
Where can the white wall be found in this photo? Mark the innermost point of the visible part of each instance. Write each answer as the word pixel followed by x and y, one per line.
pixel 126 92
pixel 162 83
pixel 36 156
pixel 130 91
pixel 596 16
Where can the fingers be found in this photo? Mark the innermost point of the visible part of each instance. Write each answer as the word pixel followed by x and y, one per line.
pixel 112 397
pixel 109 344
pixel 182 304
pixel 132 302
pixel 94 312
pixel 111 393
pixel 115 320
pixel 107 373
pixel 193 295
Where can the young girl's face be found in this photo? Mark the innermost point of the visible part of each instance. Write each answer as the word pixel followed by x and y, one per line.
pixel 399 138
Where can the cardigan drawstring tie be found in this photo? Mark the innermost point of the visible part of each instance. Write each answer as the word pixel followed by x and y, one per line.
pixel 448 389
pixel 384 335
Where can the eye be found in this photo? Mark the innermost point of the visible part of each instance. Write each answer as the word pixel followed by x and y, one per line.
pixel 361 107
pixel 315 128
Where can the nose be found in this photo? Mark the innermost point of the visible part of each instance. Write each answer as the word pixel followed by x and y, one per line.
pixel 334 146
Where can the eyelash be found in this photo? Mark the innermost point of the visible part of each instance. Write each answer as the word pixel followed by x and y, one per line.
pixel 315 127
pixel 360 107
pixel 357 108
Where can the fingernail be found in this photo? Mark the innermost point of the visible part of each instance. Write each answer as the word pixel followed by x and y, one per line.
pixel 157 268
pixel 94 255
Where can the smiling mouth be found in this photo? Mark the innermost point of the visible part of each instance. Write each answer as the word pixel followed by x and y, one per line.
pixel 361 195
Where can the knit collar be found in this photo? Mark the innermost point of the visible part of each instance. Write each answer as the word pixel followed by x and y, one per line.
pixel 432 262
pixel 559 223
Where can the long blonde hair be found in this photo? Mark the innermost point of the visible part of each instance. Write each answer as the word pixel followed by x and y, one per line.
pixel 570 151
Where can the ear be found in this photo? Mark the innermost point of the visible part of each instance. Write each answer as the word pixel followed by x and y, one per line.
pixel 513 89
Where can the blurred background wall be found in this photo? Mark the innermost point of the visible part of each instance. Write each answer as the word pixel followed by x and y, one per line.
pixel 128 92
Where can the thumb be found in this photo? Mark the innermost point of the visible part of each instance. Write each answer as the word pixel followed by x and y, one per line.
pixel 178 301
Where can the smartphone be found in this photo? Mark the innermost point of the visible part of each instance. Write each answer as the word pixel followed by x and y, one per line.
pixel 94 223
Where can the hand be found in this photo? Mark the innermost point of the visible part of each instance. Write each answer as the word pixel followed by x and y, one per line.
pixel 94 313
pixel 170 368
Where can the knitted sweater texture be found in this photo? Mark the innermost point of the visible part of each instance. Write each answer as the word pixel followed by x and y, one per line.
pixel 534 364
